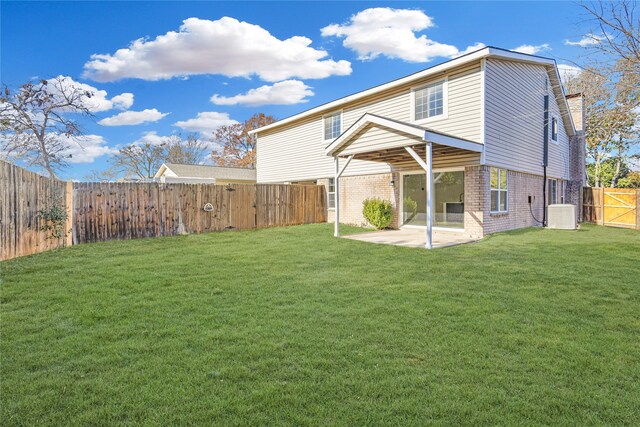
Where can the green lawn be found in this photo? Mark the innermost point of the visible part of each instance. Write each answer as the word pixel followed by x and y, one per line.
pixel 292 326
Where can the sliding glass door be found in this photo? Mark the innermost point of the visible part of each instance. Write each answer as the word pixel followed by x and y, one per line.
pixel 448 200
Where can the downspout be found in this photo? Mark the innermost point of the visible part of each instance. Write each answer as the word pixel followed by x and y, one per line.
pixel 545 160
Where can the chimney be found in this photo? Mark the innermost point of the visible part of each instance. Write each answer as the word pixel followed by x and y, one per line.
pixel 577 166
pixel 576 108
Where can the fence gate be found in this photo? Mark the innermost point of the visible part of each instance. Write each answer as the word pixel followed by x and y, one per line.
pixel 616 207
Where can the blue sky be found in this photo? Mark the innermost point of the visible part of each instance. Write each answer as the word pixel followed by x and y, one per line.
pixel 172 80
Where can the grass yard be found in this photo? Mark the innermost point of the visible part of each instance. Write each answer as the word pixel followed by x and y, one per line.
pixel 292 326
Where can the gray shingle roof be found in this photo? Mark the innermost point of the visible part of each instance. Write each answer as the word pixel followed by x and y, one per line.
pixel 218 172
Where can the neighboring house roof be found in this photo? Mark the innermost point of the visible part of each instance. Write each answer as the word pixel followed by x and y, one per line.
pixel 205 172
pixel 487 52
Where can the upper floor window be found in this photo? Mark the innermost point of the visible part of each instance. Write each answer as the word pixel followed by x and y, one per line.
pixel 554 129
pixel 332 125
pixel 429 101
pixel 499 190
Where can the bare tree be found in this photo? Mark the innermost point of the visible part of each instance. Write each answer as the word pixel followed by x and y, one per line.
pixel 238 147
pixel 190 151
pixel 34 123
pixel 142 161
pixel 619 28
pixel 611 102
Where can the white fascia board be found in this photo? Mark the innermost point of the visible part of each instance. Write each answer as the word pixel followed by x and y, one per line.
pixel 160 171
pixel 401 81
pixel 365 120
pixel 451 141
pixel 471 57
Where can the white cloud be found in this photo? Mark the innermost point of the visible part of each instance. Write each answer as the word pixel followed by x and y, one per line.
pixel 152 138
pixel 567 72
pixel 123 101
pixel 205 122
pixel 98 101
pixel 225 46
pixel 587 40
pixel 390 32
pixel 129 118
pixel 532 49
pixel 469 49
pixel 87 148
pixel 281 93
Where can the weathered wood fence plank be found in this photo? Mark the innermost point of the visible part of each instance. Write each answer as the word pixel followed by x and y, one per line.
pixel 151 209
pixel 122 211
pixel 23 195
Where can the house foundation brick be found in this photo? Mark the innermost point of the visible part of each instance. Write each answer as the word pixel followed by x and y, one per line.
pixel 354 190
pixel 479 221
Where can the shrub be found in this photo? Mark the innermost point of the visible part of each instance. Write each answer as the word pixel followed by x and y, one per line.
pixel 378 212
pixel 55 218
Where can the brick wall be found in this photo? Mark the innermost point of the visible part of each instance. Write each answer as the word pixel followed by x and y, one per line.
pixel 577 154
pixel 478 219
pixel 355 189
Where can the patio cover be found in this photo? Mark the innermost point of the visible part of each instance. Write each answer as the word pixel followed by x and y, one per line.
pixel 408 143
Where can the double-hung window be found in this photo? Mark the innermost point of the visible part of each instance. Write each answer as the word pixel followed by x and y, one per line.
pixel 499 190
pixel 331 193
pixel 429 101
pixel 332 125
pixel 552 191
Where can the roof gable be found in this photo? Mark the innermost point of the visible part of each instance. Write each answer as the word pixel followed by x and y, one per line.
pixel 486 52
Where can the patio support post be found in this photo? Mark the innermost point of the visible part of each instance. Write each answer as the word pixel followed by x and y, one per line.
pixel 339 172
pixel 336 188
pixel 429 172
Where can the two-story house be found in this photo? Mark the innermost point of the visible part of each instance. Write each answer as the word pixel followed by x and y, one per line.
pixel 481 143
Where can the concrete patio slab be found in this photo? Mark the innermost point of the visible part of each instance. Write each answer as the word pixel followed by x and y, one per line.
pixel 412 237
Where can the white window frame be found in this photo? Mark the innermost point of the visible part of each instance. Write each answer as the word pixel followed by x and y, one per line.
pixel 335 113
pixel 554 129
pixel 331 183
pixel 500 191
pixel 549 193
pixel 445 101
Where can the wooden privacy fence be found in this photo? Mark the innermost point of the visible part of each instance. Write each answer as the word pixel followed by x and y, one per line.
pixel 108 211
pixel 618 207
pixel 22 195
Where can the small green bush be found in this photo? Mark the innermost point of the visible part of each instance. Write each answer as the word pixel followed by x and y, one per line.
pixel 378 212
pixel 55 218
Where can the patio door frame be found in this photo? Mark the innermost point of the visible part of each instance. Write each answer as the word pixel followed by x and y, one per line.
pixel 421 172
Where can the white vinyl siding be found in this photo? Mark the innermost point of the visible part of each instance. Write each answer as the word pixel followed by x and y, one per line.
pixel 514 121
pixel 296 151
